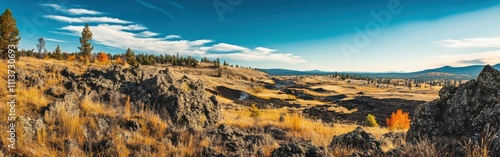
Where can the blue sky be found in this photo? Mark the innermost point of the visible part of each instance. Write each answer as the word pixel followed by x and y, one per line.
pixel 332 35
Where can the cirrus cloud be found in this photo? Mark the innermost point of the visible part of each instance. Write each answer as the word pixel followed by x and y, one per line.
pixel 73 11
pixel 257 54
pixel 173 37
pixel 55 40
pixel 147 34
pixel 481 58
pixel 86 19
pixel 470 43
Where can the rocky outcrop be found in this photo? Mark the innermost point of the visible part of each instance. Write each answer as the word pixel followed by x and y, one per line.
pixel 234 141
pixel 393 138
pixel 182 103
pixel 360 140
pixel 30 127
pixel 300 149
pixel 463 112
pixel 275 132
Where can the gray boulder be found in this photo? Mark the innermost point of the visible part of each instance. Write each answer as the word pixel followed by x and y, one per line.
pixel 235 142
pixel 300 149
pixel 360 140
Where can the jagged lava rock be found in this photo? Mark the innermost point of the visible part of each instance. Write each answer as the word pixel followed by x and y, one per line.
pixel 182 102
pixel 462 112
pixel 300 149
pixel 360 140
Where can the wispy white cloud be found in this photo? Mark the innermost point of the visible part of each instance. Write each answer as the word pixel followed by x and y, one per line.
pixel 82 12
pixel 55 40
pixel 55 6
pixel 201 42
pixel 151 6
pixel 223 47
pixel 257 54
pixel 64 33
pixel 173 37
pixel 147 34
pixel 73 11
pixel 470 43
pixel 177 5
pixel 489 57
pixel 86 19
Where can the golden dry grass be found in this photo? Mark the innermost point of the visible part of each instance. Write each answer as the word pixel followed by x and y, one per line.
pixel 89 106
pixel 127 107
pixel 298 126
pixel 32 96
pixel 151 124
pixel 70 124
pixel 268 149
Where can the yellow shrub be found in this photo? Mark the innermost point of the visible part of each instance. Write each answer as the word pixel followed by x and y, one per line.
pixel 254 111
pixel 295 121
pixel 371 121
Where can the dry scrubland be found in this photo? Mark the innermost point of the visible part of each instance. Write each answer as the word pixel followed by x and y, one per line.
pixel 63 130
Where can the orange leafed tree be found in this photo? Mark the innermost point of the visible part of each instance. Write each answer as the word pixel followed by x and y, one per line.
pixel 399 120
pixel 102 57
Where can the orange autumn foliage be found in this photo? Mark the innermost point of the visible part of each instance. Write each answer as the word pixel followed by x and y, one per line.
pixel 102 57
pixel 399 120
pixel 119 60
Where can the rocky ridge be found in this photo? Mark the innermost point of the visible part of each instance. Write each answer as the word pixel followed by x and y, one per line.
pixel 182 102
pixel 464 112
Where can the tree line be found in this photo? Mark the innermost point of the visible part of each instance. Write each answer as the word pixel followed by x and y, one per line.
pixel 417 82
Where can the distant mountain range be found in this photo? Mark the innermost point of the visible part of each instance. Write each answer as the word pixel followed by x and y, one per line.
pixel 467 72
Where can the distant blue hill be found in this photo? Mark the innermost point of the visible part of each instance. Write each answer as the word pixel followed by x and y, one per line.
pixel 467 72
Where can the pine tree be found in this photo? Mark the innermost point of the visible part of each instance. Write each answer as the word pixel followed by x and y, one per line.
pixel 177 60
pixel 40 45
pixel 195 63
pixel 9 34
pixel 173 60
pixel 58 54
pixel 86 47
pixel 130 55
